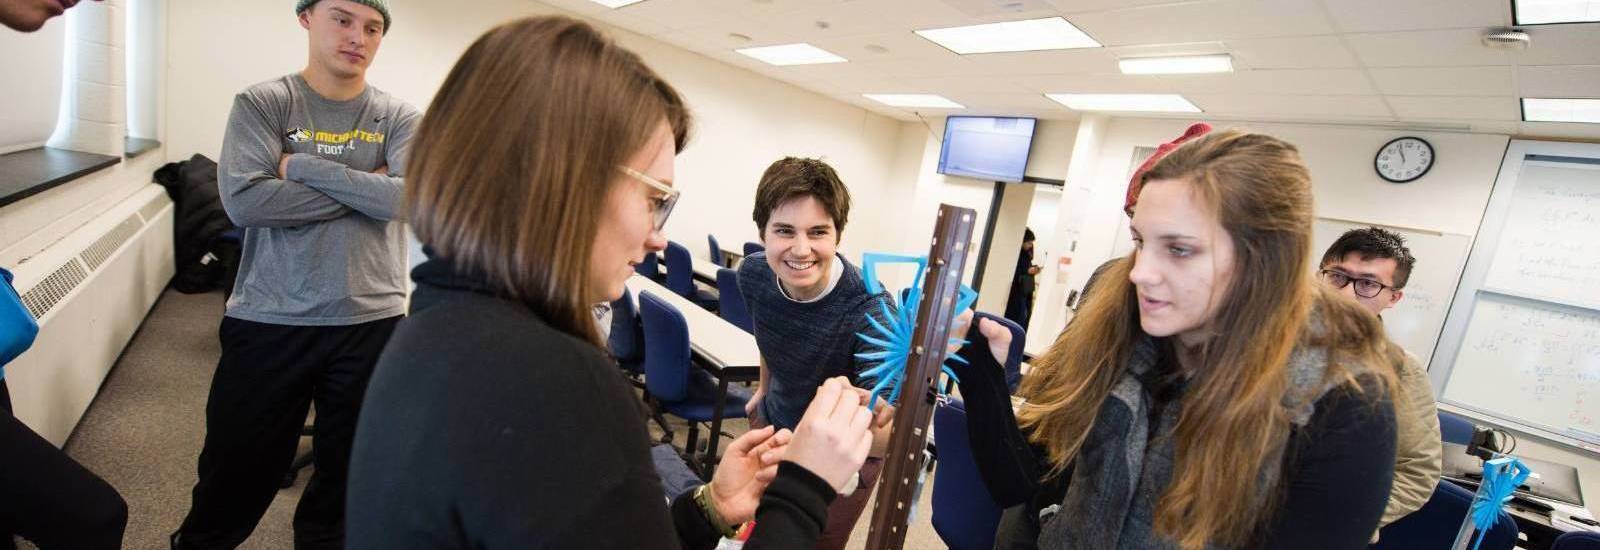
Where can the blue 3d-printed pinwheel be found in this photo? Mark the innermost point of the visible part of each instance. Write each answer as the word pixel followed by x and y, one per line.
pixel 893 338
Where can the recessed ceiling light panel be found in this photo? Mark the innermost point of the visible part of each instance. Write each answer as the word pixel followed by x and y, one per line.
pixel 792 54
pixel 1187 64
pixel 614 4
pixel 1544 12
pixel 1143 103
pixel 1050 33
pixel 1535 109
pixel 923 101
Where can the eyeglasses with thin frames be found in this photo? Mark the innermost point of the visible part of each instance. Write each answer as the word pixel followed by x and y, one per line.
pixel 1365 288
pixel 661 206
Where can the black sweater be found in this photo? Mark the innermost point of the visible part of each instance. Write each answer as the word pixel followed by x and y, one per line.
pixel 484 427
pixel 1336 475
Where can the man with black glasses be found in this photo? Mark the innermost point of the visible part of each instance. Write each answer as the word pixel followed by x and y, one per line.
pixel 1372 266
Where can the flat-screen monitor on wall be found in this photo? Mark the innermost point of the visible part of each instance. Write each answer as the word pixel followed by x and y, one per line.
pixel 990 148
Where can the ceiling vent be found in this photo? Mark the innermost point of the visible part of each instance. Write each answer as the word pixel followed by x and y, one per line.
pixel 1506 39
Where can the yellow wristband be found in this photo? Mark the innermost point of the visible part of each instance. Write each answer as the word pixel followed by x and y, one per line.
pixel 702 497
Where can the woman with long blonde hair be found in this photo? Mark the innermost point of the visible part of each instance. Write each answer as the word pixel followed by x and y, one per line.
pixel 1209 393
pixel 541 175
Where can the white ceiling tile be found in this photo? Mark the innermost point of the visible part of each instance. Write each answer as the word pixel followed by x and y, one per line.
pixel 1276 81
pixel 1006 101
pixel 581 7
pixel 1442 48
pixel 1300 52
pixel 933 14
pixel 1160 50
pixel 1105 83
pixel 952 65
pixel 1451 81
pixel 1087 60
pixel 1405 15
pixel 1569 81
pixel 1204 21
pixel 672 14
pixel 953 84
pixel 1561 129
pixel 1293 107
pixel 1495 126
pixel 826 20
pixel 851 77
pixel 1562 45
pixel 1081 6
pixel 721 31
pixel 898 43
pixel 1440 107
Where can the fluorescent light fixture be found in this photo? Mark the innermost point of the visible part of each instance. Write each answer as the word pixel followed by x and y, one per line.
pixel 1542 12
pixel 1050 33
pixel 614 4
pixel 1187 64
pixel 1152 103
pixel 792 54
pixel 1536 109
pixel 925 101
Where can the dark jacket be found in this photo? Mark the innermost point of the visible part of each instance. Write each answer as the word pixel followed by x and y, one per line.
pixel 484 427
pixel 198 222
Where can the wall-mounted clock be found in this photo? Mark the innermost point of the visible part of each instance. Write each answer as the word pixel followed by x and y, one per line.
pixel 1403 160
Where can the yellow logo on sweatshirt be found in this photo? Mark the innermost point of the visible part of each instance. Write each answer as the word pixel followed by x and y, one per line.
pixel 329 143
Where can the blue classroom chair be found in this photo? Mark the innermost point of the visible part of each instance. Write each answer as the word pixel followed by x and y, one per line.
pixel 680 277
pixel 667 371
pixel 964 514
pixel 1436 523
pixel 650 267
pixel 1577 540
pixel 732 307
pixel 1454 428
pixel 716 250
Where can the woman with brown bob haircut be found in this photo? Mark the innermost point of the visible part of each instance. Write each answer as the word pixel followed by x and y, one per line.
pixel 1210 393
pixel 539 177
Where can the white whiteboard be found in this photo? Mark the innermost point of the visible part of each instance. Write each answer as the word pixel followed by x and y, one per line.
pixel 1552 250
pixel 1521 343
pixel 1533 361
pixel 1416 321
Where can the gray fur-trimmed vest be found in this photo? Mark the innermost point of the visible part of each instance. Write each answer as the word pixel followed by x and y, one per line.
pixel 1120 474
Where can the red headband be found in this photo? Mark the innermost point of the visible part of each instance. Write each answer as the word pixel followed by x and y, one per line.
pixel 1136 183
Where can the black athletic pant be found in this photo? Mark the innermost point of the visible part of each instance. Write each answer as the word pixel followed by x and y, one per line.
pixel 48 498
pixel 267 378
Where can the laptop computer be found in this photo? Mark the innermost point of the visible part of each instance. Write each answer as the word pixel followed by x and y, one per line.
pixel 1551 481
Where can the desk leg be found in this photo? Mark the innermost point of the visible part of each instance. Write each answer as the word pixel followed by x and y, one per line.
pixel 716 427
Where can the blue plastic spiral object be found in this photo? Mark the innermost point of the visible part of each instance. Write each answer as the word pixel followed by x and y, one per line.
pixel 1501 476
pixel 893 339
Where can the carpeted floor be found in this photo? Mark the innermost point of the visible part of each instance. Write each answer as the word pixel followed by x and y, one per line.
pixel 144 430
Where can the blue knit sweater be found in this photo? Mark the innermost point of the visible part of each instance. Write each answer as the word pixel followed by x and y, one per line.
pixel 804 343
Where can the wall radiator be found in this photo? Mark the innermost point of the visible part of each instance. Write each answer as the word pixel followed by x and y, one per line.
pixel 90 291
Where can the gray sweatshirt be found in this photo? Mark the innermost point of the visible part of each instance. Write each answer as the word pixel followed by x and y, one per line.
pixel 321 247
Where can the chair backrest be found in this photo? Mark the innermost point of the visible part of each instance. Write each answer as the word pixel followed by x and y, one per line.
pixel 666 336
pixel 1436 523
pixel 1014 353
pixel 964 514
pixel 1454 428
pixel 650 267
pixel 1577 540
pixel 732 308
pixel 752 248
pixel 627 336
pixel 716 249
pixel 680 269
